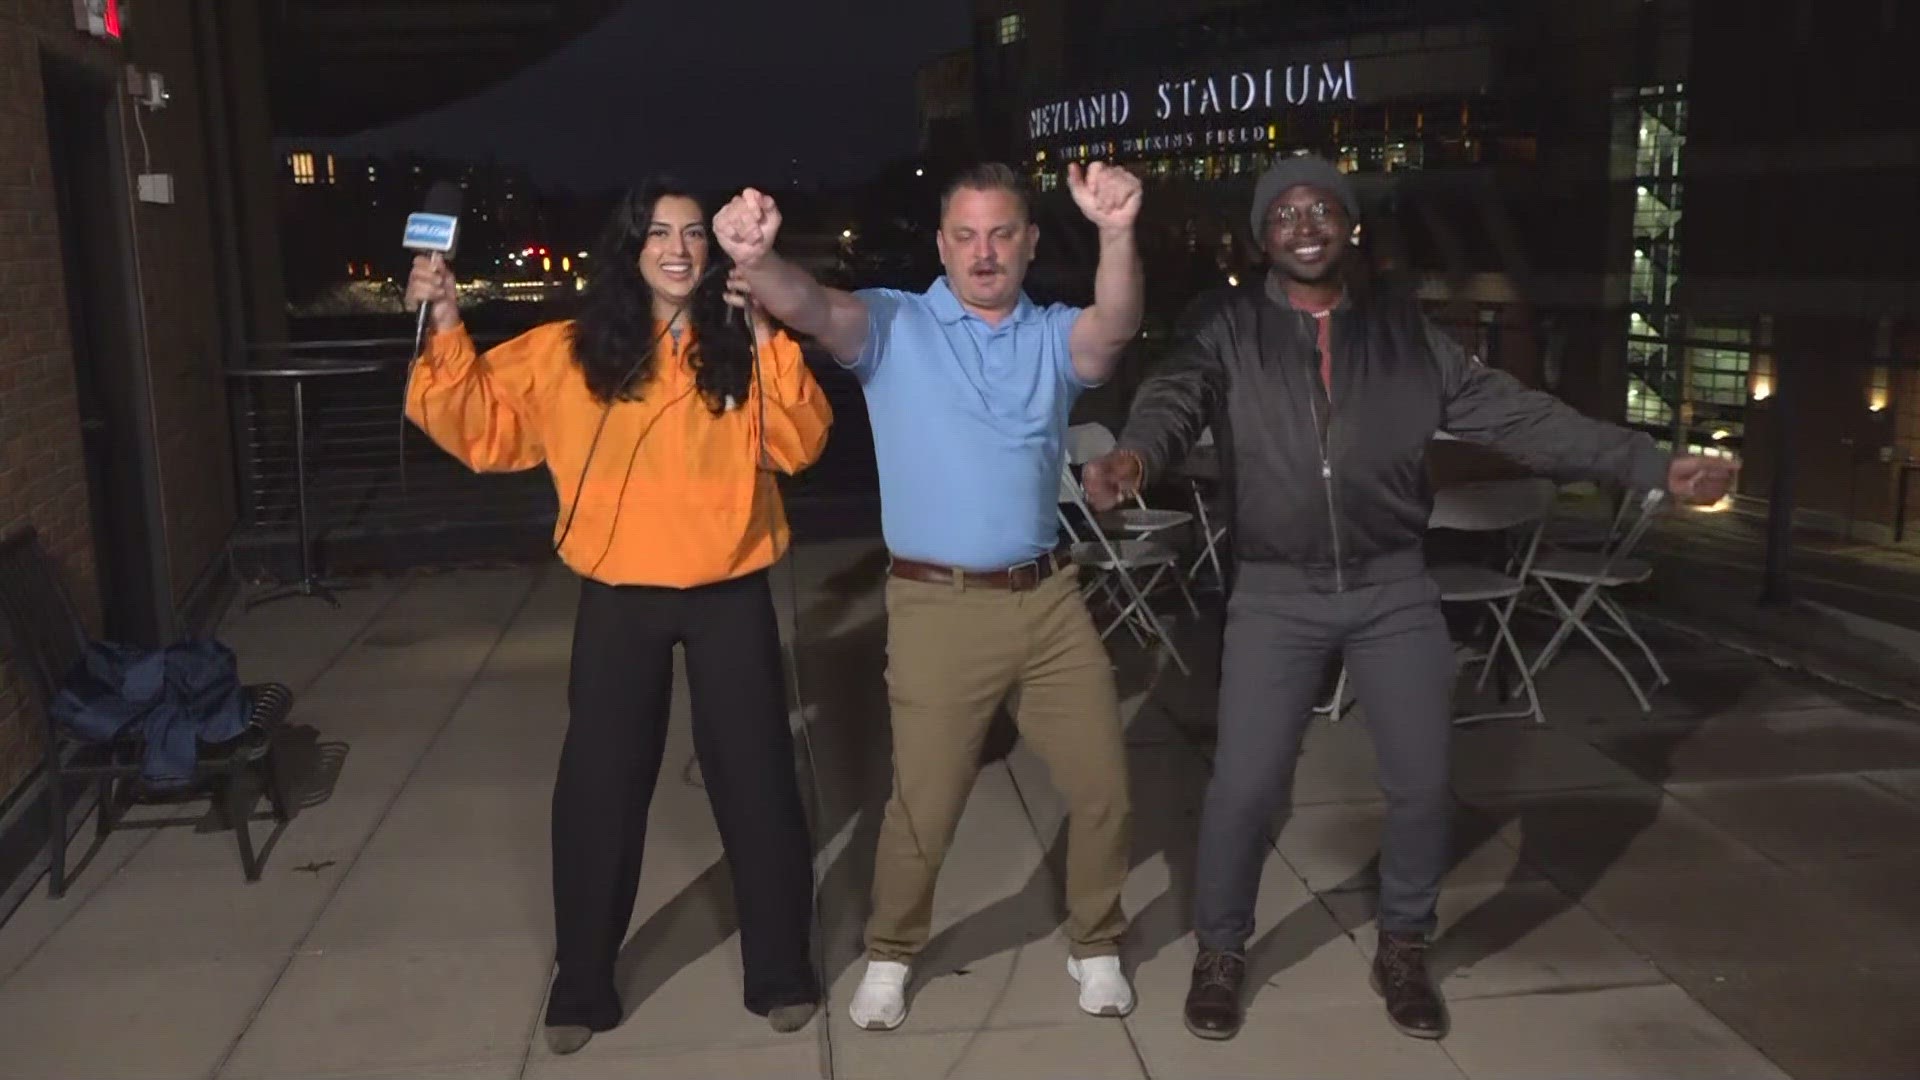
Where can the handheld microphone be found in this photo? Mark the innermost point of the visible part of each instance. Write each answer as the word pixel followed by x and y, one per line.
pixel 435 229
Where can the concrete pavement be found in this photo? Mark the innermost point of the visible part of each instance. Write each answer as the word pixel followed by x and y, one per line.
pixel 1720 889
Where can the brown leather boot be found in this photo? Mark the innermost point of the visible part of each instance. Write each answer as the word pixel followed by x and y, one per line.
pixel 1213 1001
pixel 1400 976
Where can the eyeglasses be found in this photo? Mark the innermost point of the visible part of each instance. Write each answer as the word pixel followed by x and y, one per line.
pixel 1288 214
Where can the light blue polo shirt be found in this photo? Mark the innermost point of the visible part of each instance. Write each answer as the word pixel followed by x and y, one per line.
pixel 969 425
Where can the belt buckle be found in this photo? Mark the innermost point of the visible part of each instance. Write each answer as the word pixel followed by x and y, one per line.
pixel 1031 568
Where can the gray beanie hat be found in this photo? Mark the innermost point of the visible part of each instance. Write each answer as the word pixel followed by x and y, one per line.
pixel 1293 171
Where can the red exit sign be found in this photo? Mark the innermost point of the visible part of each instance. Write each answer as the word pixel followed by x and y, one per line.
pixel 101 18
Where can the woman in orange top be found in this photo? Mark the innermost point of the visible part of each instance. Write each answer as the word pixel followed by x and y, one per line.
pixel 649 412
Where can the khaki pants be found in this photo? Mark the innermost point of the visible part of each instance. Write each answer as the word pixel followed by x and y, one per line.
pixel 952 656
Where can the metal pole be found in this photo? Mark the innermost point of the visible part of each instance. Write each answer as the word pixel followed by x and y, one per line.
pixel 300 479
pixel 1776 587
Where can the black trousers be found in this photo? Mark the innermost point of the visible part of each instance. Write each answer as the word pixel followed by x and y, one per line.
pixel 619 691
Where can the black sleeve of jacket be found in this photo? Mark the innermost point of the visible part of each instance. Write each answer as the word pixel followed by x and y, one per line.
pixel 1484 405
pixel 1177 402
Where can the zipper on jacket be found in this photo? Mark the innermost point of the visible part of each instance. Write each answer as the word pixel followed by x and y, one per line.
pixel 1324 428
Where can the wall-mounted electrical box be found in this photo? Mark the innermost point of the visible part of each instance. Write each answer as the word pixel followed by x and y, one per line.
pixel 156 188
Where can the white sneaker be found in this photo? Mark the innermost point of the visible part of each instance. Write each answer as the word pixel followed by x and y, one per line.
pixel 1103 986
pixel 881 1002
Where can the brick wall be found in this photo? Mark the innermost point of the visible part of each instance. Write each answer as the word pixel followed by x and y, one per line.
pixel 42 470
pixel 42 478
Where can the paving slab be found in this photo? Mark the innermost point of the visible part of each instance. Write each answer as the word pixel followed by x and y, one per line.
pixel 1722 887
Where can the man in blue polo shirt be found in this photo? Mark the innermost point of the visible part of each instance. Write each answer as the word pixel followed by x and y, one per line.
pixel 968 386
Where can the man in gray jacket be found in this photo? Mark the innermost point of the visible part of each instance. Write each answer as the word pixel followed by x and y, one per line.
pixel 1323 393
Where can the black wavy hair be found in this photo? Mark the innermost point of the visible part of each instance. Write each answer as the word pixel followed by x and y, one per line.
pixel 615 341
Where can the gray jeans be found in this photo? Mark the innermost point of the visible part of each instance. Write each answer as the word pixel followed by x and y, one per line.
pixel 1283 626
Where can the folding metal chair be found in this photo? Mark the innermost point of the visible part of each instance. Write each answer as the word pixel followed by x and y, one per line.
pixel 1088 441
pixel 1113 563
pixel 1497 506
pixel 1585 531
pixel 1210 533
pixel 1335 708
pixel 1593 573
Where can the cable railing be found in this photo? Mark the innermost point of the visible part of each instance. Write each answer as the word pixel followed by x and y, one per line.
pixel 379 489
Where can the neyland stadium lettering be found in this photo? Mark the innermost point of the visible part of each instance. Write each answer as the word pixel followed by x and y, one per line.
pixel 1090 113
pixel 1219 94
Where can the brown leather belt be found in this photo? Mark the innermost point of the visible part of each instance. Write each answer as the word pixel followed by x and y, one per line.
pixel 1021 577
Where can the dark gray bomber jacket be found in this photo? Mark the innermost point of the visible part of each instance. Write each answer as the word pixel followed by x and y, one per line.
pixel 1330 485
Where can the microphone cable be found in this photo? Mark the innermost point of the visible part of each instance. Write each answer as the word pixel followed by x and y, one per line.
pixel 606 410
pixel 816 811
pixel 406 392
pixel 796 684
pixel 815 788
pixel 443 200
pixel 600 427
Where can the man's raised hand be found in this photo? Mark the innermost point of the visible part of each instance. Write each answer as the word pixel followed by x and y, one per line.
pixel 747 226
pixel 1107 194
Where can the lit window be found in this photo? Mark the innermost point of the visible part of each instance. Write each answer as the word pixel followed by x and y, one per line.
pixel 1645 406
pixel 302 163
pixel 330 173
pixel 1011 28
pixel 1719 370
pixel 1879 388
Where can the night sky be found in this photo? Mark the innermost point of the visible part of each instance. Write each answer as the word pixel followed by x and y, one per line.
pixel 720 94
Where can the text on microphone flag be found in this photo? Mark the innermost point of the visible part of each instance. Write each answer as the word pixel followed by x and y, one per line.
pixel 430 232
